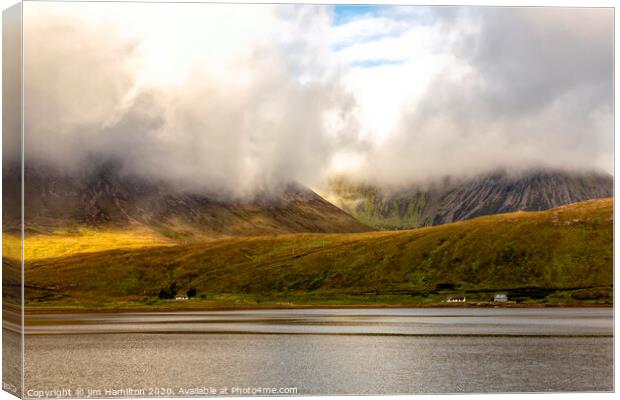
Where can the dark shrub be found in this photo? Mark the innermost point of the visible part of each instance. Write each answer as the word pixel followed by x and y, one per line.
pixel 444 286
pixel 173 290
pixel 191 293
pixel 170 292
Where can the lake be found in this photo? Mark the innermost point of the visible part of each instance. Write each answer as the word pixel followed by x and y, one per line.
pixel 321 351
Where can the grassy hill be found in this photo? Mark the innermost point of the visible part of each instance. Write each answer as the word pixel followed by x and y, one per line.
pixel 560 255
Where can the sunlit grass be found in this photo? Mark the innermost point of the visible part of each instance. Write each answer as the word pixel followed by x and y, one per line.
pixel 567 250
pixel 37 247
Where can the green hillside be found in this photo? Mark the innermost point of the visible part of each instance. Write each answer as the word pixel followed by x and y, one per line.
pixel 560 255
pixel 452 200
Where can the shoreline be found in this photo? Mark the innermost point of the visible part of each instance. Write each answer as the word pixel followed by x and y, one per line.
pixel 156 309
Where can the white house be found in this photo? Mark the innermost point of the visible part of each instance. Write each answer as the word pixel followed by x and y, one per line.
pixel 451 299
pixel 500 297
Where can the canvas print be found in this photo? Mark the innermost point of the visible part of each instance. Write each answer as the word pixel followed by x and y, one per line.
pixel 206 199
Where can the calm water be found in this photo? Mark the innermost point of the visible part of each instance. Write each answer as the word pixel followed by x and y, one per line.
pixel 371 351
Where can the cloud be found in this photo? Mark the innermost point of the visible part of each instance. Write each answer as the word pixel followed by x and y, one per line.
pixel 243 119
pixel 512 88
pixel 243 98
pixel 76 78
pixel 11 88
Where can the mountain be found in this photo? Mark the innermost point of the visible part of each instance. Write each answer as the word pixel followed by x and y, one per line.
pixel 456 200
pixel 104 198
pixel 560 255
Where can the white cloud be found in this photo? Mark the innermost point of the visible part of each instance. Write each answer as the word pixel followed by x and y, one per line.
pixel 236 98
pixel 486 88
pixel 383 89
pixel 214 105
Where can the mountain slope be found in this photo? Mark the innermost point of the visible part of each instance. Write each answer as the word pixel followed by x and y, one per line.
pixel 564 254
pixel 106 199
pixel 451 201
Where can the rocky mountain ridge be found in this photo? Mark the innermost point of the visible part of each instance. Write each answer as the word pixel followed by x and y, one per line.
pixel 105 198
pixel 452 200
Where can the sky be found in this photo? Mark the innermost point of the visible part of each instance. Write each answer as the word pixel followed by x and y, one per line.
pixel 239 98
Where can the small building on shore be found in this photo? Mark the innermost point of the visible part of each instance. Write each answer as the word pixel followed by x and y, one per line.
pixel 456 299
pixel 181 298
pixel 500 298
